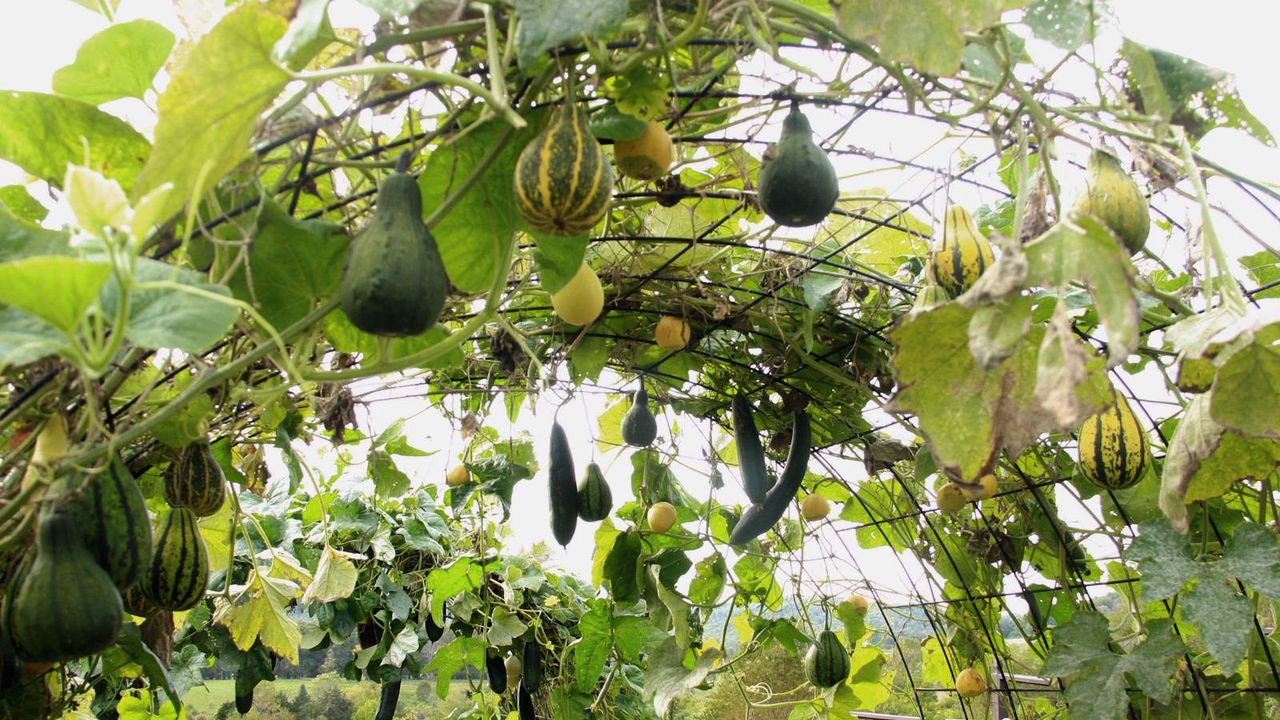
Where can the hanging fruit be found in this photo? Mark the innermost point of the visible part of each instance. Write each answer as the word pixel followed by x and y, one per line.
pixel 672 333
pixel 646 157
pixel 798 186
pixel 563 182
pixel 964 254
pixel 639 426
pixel 595 499
pixel 1113 447
pixel 827 662
pixel 1114 197
pixel 563 487
pixel 195 480
pixel 581 300
pixel 661 517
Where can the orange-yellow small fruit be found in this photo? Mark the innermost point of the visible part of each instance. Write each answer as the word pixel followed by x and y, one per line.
pixel 859 603
pixel 672 333
pixel 458 475
pixel 646 157
pixel 970 683
pixel 985 487
pixel 951 499
pixel 814 507
pixel 661 517
pixel 580 301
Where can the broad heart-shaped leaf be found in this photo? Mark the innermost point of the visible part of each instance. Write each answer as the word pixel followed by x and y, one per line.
pixel 1251 555
pixel 462 652
pixel 969 414
pixel 335 576
pixel 211 106
pixel 461 575
pixel 290 267
pixel 1247 390
pixel 1206 459
pixel 667 677
pixel 260 612
pixel 622 568
pixel 25 338
pixel 43 134
pixel 927 34
pixel 1065 23
pixel 54 288
pixel 504 627
pixel 1083 250
pixel 116 63
pixel 1097 691
pixel 591 653
pixel 185 318
pixel 473 233
pixel 544 24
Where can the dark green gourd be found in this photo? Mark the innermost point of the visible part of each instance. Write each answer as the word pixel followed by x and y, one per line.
pixel 595 499
pixel 179 569
pixel 388 700
pixel 564 488
pixel 111 515
pixel 639 427
pixel 798 187
pixel 755 481
pixel 531 672
pixel 496 672
pixel 827 662
pixel 434 631
pixel 394 281
pixel 525 703
pixel 195 481
pixel 761 516
pixel 66 607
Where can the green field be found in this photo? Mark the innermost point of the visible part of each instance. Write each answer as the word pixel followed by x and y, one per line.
pixel 279 700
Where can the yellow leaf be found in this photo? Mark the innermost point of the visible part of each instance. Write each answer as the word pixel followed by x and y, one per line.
pixel 258 613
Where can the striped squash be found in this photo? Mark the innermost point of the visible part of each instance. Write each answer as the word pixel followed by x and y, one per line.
pixel 930 295
pixel 1113 447
pixel 179 570
pixel 827 662
pixel 563 182
pixel 111 515
pixel 595 499
pixel 195 481
pixel 964 254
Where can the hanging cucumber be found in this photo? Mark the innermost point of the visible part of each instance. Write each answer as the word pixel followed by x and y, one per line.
pixel 389 699
pixel 750 452
pixel 564 488
pixel 760 517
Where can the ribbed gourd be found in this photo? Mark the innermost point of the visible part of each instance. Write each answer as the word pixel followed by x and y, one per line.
pixel 111 516
pixel 394 283
pixel 639 426
pixel 179 571
pixel 826 664
pixel 563 181
pixel 931 295
pixel 563 487
pixel 962 256
pixel 1113 196
pixel 1113 447
pixel 595 499
pixel 195 481
pixel 798 186
pixel 66 607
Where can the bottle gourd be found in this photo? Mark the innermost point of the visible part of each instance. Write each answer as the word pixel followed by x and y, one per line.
pixel 1113 197
pixel 798 186
pixel 394 283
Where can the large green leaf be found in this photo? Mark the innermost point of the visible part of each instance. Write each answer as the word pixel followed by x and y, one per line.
pixel 544 24
pixel 667 677
pixel 1247 390
pixel 42 134
pixel 461 653
pixel 189 318
pixel 927 34
pixel 209 111
pixel 25 338
pixel 116 63
pixel 592 652
pixel 54 288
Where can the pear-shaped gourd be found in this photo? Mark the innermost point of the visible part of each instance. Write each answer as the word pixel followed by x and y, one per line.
pixel 798 187
pixel 827 662
pixel 66 607
pixel 1113 197
pixel 964 254
pixel 394 282
pixel 639 427
pixel 563 182
pixel 595 499
pixel 111 516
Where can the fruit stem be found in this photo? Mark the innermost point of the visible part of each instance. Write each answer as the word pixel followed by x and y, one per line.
pixel 1223 284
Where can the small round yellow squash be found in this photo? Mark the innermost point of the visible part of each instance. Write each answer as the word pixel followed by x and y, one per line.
pixel 951 499
pixel 985 487
pixel 672 333
pixel 814 507
pixel 646 157
pixel 970 683
pixel 457 475
pixel 661 517
pixel 581 300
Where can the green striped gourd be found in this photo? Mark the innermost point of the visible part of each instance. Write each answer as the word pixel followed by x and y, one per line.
pixel 1113 447
pixel 563 182
pixel 179 570
pixel 827 662
pixel 931 295
pixel 111 515
pixel 66 607
pixel 1113 197
pixel 195 481
pixel 964 254
pixel 595 500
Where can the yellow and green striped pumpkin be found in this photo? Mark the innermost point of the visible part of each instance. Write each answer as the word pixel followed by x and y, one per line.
pixel 179 570
pixel 563 182
pixel 964 254
pixel 1113 447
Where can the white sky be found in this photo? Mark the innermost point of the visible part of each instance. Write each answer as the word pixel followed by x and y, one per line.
pixel 1236 35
